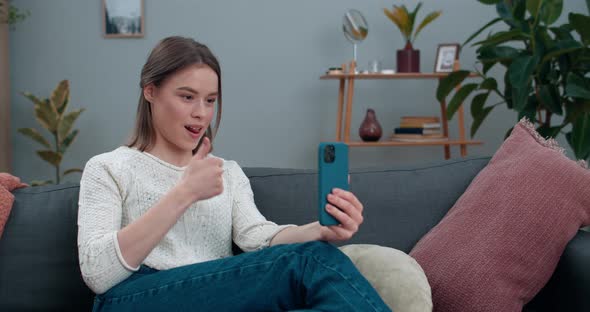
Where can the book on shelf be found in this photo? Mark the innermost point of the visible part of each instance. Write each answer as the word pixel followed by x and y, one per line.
pixel 420 122
pixel 403 130
pixel 418 138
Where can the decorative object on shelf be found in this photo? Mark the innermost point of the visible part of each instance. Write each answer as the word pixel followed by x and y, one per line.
pixel 123 18
pixel 546 71
pixel 446 55
pixel 418 129
pixel 370 130
pixel 374 67
pixel 334 71
pixel 355 29
pixel 51 114
pixel 408 59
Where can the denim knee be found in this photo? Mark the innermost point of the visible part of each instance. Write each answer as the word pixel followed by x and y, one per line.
pixel 322 249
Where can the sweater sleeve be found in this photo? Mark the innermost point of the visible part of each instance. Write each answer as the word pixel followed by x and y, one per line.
pixel 251 231
pixel 99 220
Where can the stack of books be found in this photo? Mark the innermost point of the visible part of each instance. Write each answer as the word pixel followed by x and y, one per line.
pixel 418 129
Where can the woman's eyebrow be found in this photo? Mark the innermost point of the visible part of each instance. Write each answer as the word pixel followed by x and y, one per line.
pixel 189 89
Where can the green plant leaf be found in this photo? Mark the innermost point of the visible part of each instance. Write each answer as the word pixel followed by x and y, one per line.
pixel 562 47
pixel 72 171
pixel 588 5
pixel 519 10
pixel 497 53
pixel 66 124
pixel 579 137
pixel 577 86
pixel 489 2
pixel 412 16
pixel 489 84
pixel 68 141
pixel 50 157
pixel 581 23
pixel 448 83
pixel 520 96
pixel 459 97
pixel 548 132
pixel 60 96
pixel 492 22
pixel 480 118
pixel 549 96
pixel 33 98
pixel 503 36
pixel 530 109
pixel 551 11
pixel 46 116
pixel 504 10
pixel 521 70
pixel 427 20
pixel 533 6
pixel 562 32
pixel 487 66
pixel 35 135
pixel 477 104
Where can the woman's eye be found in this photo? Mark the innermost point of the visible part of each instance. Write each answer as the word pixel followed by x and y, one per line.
pixel 187 97
pixel 211 101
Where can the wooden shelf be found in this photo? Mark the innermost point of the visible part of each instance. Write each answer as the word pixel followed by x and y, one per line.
pixel 398 143
pixel 344 113
pixel 390 76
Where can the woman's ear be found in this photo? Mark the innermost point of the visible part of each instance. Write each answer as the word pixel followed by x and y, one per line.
pixel 149 92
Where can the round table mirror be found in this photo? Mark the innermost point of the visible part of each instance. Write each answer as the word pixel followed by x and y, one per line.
pixel 355 28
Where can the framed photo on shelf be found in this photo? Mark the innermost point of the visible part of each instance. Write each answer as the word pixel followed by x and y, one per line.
pixel 446 55
pixel 122 18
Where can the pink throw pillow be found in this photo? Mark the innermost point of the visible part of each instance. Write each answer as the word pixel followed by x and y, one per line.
pixel 501 241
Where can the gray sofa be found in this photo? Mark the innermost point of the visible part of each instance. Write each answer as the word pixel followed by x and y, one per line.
pixel 38 253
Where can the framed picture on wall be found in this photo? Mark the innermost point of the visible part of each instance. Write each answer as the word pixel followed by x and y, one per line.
pixel 446 55
pixel 122 18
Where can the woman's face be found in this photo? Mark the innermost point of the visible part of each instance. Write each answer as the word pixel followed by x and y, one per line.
pixel 183 107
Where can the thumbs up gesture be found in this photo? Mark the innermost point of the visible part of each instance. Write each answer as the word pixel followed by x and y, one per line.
pixel 203 176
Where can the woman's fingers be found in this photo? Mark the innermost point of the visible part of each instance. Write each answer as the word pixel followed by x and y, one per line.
pixel 345 220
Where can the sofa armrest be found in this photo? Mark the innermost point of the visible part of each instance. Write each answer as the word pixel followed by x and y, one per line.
pixel 568 288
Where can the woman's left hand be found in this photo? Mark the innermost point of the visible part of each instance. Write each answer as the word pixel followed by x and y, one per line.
pixel 349 213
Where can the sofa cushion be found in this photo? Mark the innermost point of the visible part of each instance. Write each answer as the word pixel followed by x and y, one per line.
pixel 501 241
pixel 39 268
pixel 397 277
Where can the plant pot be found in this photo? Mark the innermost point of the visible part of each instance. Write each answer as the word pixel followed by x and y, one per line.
pixel 370 130
pixel 408 60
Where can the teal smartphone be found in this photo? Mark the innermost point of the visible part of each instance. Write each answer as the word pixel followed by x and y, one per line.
pixel 332 173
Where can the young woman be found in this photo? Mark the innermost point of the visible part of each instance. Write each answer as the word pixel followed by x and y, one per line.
pixel 157 217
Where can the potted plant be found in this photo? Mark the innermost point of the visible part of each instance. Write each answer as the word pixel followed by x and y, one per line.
pixel 408 59
pixel 546 70
pixel 51 114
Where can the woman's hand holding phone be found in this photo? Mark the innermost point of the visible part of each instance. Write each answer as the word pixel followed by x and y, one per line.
pixel 345 207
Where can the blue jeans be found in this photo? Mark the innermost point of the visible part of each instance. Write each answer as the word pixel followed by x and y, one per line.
pixel 313 275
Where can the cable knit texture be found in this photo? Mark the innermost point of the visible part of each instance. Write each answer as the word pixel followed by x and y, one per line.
pixel 118 187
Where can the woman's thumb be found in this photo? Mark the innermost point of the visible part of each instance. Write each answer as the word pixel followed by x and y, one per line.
pixel 203 149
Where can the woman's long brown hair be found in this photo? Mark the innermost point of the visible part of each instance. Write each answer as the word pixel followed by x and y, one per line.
pixel 169 56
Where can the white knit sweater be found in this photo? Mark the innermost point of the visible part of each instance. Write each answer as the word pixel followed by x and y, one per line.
pixel 120 186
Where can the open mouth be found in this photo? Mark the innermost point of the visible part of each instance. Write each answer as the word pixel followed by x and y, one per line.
pixel 194 130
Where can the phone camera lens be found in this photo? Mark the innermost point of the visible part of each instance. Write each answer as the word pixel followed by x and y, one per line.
pixel 329 154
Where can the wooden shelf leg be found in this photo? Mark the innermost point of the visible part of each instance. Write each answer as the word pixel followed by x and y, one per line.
pixel 350 95
pixel 445 127
pixel 340 109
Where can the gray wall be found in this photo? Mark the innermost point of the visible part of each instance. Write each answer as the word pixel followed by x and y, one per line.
pixel 276 109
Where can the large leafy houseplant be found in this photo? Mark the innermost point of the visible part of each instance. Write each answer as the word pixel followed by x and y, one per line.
pixel 546 70
pixel 51 114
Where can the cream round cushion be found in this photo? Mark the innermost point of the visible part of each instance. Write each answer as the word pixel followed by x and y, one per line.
pixel 397 277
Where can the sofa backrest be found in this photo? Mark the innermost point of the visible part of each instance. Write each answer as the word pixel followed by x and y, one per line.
pixel 400 203
pixel 38 250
